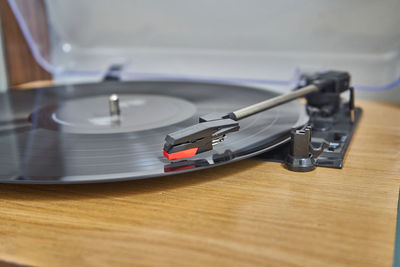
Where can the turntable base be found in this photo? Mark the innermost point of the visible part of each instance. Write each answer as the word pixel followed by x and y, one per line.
pixel 245 213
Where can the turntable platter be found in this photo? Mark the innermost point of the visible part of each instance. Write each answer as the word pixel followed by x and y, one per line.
pixel 65 134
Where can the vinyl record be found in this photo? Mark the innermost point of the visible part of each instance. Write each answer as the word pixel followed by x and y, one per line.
pixel 66 134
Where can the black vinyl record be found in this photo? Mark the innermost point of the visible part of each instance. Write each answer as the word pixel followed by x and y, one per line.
pixel 66 135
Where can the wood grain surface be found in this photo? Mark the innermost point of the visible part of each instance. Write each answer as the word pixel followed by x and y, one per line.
pixel 249 213
pixel 21 66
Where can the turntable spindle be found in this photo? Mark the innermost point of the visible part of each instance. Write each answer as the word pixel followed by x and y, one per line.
pixel 114 105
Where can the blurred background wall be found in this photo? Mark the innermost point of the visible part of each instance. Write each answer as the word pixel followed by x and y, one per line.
pixel 3 76
pixel 252 39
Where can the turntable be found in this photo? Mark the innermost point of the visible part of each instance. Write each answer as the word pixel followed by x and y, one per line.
pixel 114 131
pixel 208 133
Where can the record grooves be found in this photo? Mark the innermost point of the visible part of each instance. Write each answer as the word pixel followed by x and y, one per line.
pixel 65 134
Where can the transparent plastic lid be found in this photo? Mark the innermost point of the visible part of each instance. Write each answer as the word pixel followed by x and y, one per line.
pixel 266 43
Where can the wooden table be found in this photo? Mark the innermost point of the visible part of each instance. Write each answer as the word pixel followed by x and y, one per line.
pixel 246 213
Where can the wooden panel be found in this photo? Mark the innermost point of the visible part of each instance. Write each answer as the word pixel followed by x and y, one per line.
pixel 20 64
pixel 249 213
